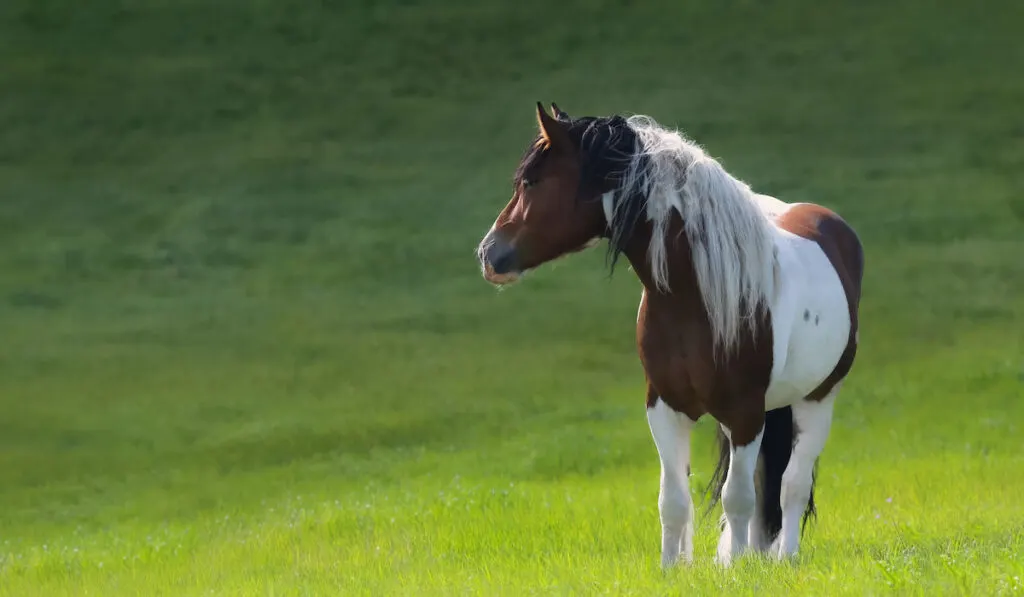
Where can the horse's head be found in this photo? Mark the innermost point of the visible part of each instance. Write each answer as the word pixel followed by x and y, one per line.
pixel 554 208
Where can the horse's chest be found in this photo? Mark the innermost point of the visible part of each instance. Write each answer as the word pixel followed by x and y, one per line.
pixel 675 344
pixel 810 322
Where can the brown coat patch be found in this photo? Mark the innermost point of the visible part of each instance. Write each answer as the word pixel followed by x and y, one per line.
pixel 675 343
pixel 842 247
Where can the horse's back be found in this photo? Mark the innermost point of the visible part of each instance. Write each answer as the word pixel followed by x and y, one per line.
pixel 837 240
pixel 829 230
pixel 815 319
pixel 770 206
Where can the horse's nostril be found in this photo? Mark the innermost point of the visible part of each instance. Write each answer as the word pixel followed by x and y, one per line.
pixel 501 256
pixel 504 262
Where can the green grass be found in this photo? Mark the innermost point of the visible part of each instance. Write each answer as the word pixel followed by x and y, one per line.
pixel 246 348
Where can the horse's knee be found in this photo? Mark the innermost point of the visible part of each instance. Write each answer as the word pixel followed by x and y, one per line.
pixel 739 499
pixel 674 505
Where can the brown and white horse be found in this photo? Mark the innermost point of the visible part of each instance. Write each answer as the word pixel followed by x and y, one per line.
pixel 748 313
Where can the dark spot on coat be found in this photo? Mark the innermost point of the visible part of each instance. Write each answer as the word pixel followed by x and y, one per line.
pixel 807 314
pixel 815 320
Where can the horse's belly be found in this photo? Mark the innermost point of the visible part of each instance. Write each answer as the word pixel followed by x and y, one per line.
pixel 810 322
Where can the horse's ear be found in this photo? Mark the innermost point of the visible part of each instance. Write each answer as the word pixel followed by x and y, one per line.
pixel 552 132
pixel 559 114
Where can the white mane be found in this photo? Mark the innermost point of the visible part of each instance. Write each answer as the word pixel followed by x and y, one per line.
pixel 729 236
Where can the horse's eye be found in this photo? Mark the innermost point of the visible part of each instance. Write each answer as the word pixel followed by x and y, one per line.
pixel 528 182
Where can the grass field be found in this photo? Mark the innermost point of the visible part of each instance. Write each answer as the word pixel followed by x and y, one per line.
pixel 247 351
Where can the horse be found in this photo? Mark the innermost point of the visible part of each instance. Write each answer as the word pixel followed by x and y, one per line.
pixel 748 313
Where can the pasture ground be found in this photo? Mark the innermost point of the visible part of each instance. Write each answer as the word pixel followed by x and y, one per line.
pixel 246 349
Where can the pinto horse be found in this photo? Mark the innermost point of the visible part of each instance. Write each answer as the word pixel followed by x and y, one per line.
pixel 748 312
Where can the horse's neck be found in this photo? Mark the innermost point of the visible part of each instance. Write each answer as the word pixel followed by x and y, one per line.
pixel 682 279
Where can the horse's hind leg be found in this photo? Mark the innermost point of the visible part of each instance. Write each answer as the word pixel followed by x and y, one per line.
pixel 811 421
pixel 671 431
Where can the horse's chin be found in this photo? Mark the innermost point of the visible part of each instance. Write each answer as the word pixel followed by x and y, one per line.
pixel 501 280
pixel 504 279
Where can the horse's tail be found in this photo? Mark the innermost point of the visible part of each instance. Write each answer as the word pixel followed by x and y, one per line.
pixel 776 447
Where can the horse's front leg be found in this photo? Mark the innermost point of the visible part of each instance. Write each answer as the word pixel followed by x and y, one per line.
pixel 671 431
pixel 739 495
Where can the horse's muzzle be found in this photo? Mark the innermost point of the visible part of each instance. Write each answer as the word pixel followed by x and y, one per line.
pixel 498 259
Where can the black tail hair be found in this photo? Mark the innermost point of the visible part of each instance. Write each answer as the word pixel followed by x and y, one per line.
pixel 776 446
